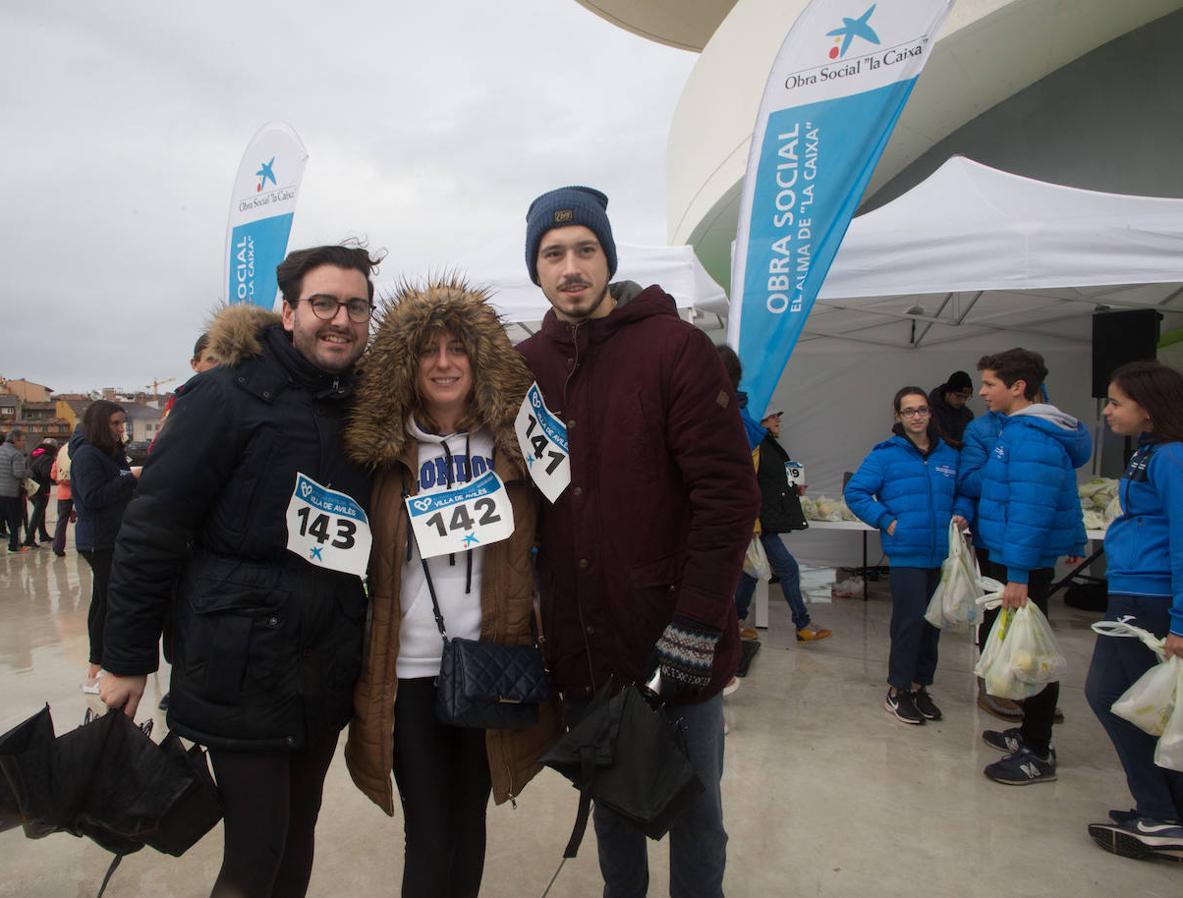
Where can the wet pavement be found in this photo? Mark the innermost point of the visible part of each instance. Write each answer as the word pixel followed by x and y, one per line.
pixel 824 793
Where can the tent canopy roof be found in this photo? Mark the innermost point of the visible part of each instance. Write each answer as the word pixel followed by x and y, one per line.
pixel 972 250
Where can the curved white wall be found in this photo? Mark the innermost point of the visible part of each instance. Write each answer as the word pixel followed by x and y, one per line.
pixel 685 24
pixel 987 51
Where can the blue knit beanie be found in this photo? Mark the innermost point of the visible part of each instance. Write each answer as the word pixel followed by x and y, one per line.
pixel 564 207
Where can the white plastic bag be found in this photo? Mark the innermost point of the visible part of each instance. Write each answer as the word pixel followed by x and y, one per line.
pixel 953 605
pixel 1169 753
pixel 755 561
pixel 1020 656
pixel 1034 656
pixel 1148 703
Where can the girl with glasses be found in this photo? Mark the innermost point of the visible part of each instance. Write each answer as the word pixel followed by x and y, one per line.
pixel 907 488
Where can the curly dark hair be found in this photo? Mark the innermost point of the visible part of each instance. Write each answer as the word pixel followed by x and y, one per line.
pixel 1158 388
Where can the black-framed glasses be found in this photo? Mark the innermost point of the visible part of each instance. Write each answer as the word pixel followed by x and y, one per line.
pixel 325 307
pixel 914 412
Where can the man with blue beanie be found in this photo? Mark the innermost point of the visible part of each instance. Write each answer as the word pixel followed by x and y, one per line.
pixel 1029 516
pixel 641 551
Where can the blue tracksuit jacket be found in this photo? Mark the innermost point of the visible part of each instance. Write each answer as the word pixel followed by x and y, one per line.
pixel 897 483
pixel 980 436
pixel 1144 546
pixel 1029 514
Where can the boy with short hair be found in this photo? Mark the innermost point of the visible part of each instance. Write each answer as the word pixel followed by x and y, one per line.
pixel 1028 517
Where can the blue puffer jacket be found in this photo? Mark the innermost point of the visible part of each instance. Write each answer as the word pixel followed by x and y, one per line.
pixel 897 483
pixel 102 488
pixel 1144 546
pixel 980 436
pixel 1029 514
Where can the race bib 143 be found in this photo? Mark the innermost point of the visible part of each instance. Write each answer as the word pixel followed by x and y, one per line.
pixel 327 528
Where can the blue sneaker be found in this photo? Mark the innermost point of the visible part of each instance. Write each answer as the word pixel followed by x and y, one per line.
pixel 1023 768
pixel 1140 838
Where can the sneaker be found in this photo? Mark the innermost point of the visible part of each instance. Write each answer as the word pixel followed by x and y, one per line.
pixel 812 633
pixel 1006 741
pixel 1118 816
pixel 732 686
pixel 32 545
pixel 903 707
pixel 748 633
pixel 18 550
pixel 1141 837
pixel 1022 768
pixel 925 705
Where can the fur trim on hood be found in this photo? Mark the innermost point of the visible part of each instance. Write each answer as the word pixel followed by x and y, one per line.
pixel 235 332
pixel 385 392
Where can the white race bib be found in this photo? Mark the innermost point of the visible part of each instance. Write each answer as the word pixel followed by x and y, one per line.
pixel 471 515
pixel 327 528
pixel 543 441
pixel 795 471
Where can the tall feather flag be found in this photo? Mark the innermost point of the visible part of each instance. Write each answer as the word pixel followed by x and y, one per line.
pixel 261 210
pixel 836 90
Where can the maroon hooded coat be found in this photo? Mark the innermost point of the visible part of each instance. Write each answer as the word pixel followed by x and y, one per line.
pixel 659 511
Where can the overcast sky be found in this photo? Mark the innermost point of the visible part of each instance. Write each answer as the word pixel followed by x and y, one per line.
pixel 429 126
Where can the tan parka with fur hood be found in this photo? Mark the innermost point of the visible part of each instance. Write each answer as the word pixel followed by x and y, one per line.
pixel 377 438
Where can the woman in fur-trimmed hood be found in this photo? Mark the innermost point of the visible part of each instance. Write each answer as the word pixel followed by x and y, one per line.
pixel 440 388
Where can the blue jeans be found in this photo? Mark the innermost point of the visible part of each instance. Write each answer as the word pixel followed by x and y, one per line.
pixel 1117 663
pixel 913 657
pixel 785 566
pixel 698 842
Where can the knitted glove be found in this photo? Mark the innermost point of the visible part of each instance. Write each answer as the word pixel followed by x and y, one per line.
pixel 685 654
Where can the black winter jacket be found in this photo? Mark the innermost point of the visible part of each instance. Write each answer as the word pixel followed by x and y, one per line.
pixel 266 647
pixel 102 486
pixel 780 506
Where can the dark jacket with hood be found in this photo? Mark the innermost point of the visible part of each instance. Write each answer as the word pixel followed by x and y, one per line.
pixel 266 646
pixel 377 438
pixel 780 505
pixel 659 511
pixel 103 485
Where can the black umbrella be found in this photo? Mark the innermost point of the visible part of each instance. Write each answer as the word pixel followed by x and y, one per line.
pixel 627 756
pixel 109 781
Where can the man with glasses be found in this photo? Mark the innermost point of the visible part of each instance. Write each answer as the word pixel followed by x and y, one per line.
pixel 250 522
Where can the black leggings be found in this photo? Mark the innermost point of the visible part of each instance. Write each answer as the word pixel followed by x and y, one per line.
pixel 96 618
pixel 443 783
pixel 271 802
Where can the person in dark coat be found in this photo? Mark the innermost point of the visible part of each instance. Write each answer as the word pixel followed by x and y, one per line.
pixel 949 411
pixel 641 552
pixel 251 522
pixel 780 512
pixel 41 467
pixel 103 483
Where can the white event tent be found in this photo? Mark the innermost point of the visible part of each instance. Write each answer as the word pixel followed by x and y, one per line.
pixel 970 261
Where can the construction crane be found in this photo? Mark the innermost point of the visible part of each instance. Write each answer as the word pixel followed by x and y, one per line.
pixel 157 384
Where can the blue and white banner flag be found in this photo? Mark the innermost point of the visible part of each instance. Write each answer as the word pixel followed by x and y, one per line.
pixel 835 92
pixel 261 210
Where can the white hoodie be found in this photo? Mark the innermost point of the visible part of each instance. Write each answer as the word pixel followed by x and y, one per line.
pixel 459 595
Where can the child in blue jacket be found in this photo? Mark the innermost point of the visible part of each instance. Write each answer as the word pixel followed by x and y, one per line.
pixel 907 487
pixel 1144 548
pixel 979 439
pixel 1029 516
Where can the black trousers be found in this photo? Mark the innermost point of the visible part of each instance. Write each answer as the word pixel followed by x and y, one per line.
pixel 271 802
pixel 96 618
pixel 11 506
pixel 37 521
pixel 443 783
pixel 1039 711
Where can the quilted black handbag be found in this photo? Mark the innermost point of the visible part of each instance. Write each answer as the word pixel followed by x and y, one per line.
pixel 486 685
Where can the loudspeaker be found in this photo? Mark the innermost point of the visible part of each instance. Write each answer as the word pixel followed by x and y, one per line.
pixel 1121 337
